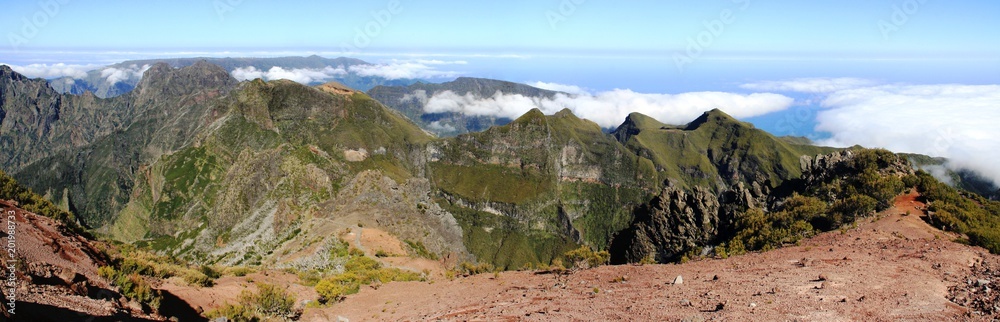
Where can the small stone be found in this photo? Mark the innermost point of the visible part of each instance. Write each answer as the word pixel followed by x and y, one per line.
pixel 678 280
pixel 822 277
pixel 753 305
pixel 685 302
pixel 982 283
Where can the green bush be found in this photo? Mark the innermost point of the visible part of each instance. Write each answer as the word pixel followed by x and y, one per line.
pixel 420 250
pixel 359 270
pixel 132 285
pixel 585 257
pixel 234 313
pixel 962 212
pixel 269 301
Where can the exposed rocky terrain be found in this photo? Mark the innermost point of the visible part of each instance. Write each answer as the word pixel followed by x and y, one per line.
pixel 891 267
pixel 57 275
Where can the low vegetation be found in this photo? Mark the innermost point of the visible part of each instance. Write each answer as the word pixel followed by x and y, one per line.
pixel 960 211
pixel 268 302
pixel 30 201
pixel 359 270
pixel 585 257
pixel 866 186
pixel 130 259
pixel 132 285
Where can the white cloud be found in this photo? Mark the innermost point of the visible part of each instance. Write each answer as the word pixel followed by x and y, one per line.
pixel 810 85
pixel 404 70
pixel 419 95
pixel 299 75
pixel 439 127
pixel 115 75
pixel 50 71
pixel 571 89
pixel 609 109
pixel 436 62
pixel 958 122
pixel 940 173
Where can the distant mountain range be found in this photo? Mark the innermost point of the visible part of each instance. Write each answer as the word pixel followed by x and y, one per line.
pixel 194 164
pixel 118 79
pixel 411 101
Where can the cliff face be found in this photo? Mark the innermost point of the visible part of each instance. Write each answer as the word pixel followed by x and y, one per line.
pixel 677 222
pixel 86 150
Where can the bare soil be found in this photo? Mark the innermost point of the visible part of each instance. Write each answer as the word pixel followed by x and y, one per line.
pixel 891 267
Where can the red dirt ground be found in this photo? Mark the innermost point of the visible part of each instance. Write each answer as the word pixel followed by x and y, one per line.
pixel 892 267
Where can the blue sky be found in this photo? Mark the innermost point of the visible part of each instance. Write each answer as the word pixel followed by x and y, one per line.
pixel 849 28
pixel 881 73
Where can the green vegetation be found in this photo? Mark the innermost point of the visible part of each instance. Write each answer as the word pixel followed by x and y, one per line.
pixel 30 201
pixel 960 211
pixel 359 270
pixel 505 242
pixel 420 250
pixel 269 301
pixel 585 257
pixel 133 286
pixel 867 184
pixel 129 259
pixel 694 154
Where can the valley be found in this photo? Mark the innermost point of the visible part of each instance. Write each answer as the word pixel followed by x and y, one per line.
pixel 196 195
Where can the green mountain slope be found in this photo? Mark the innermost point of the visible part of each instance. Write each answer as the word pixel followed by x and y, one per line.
pixel 714 151
pixel 87 150
pixel 557 179
pixel 279 163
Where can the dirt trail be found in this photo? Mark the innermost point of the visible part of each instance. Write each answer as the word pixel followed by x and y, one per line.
pixel 893 268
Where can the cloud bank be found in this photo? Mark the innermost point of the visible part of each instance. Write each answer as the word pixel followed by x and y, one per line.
pixel 299 75
pixel 407 69
pixel 571 89
pixel 609 109
pixel 396 70
pixel 114 75
pixel 50 71
pixel 957 122
pixel 810 85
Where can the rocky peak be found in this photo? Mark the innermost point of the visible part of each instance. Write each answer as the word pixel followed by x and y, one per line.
pixel 669 225
pixel 534 116
pixel 714 117
pixel 7 72
pixel 202 76
pixel 634 123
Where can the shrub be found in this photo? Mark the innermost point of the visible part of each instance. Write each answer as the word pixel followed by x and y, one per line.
pixel 238 271
pixel 420 250
pixel 234 313
pixel 359 270
pixel 269 300
pixel 469 268
pixel 132 286
pixel 198 279
pixel 585 257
